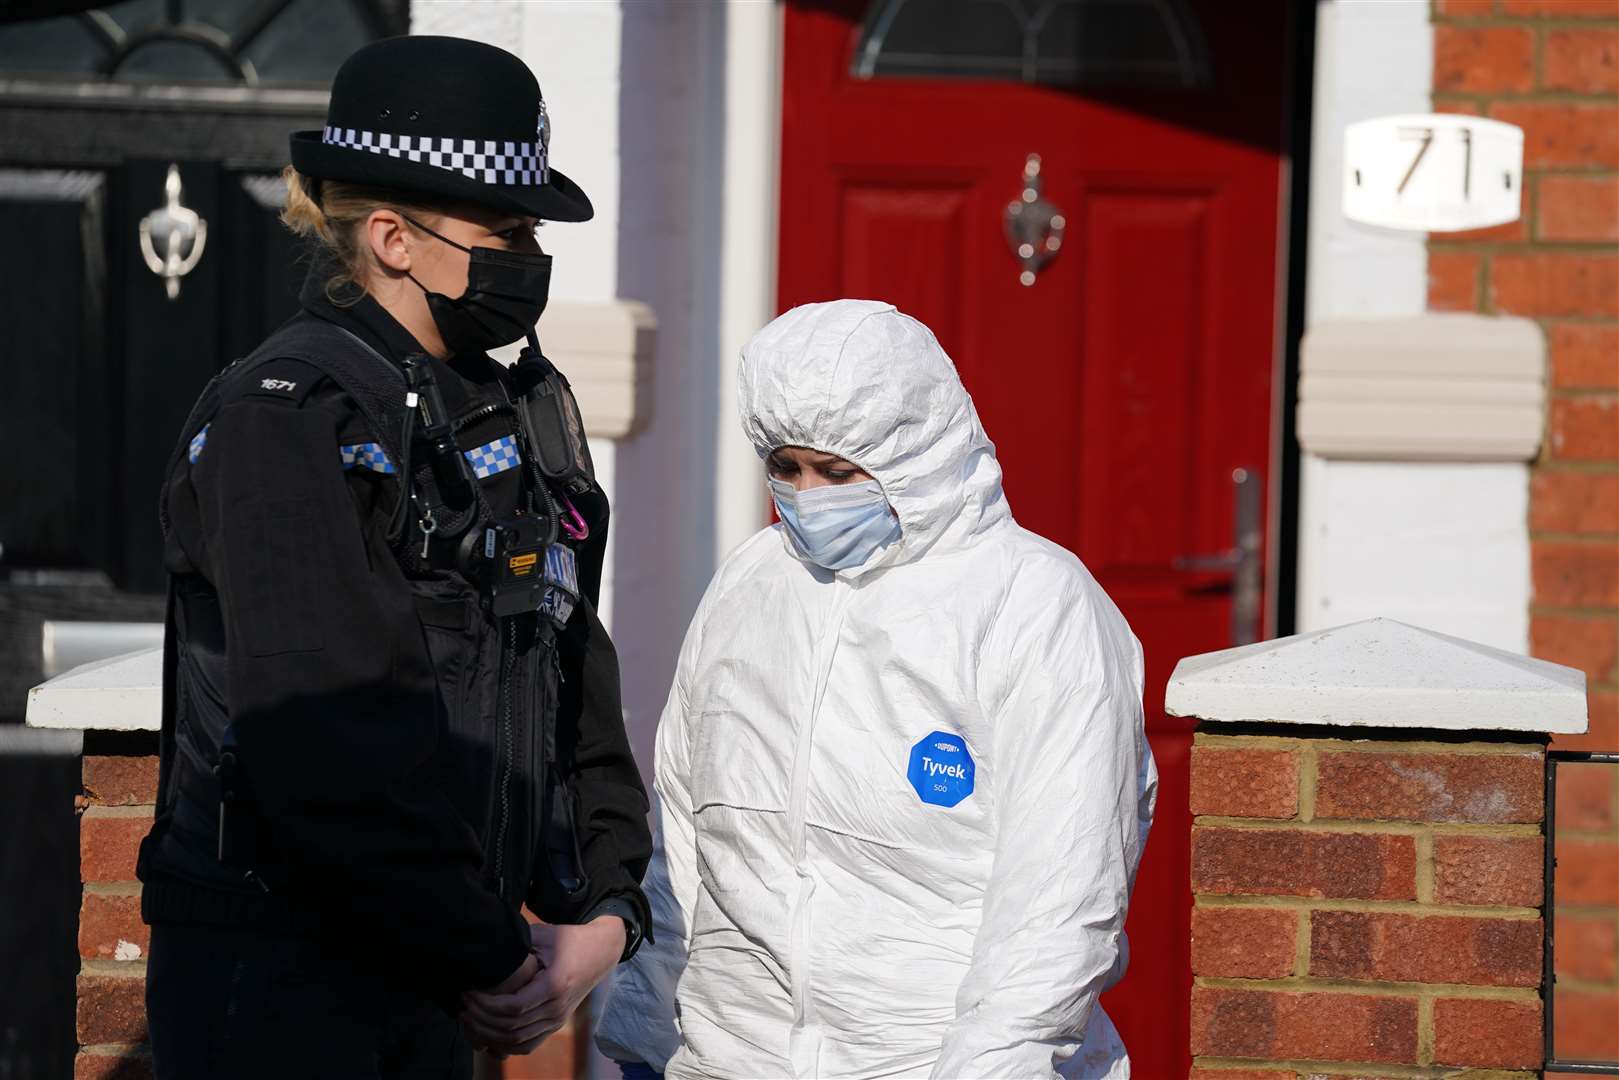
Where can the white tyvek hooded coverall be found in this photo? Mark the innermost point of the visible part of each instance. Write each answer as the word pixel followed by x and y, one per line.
pixel 813 915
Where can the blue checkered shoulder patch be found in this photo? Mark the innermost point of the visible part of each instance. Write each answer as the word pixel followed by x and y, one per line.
pixel 194 451
pixel 494 457
pixel 367 455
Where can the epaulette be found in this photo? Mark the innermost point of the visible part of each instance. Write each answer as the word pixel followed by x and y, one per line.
pixel 283 379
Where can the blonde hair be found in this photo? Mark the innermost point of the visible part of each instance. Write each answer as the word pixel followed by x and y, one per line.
pixel 329 213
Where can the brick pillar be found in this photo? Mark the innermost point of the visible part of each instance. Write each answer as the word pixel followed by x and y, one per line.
pixel 116 706
pixel 120 786
pixel 1365 902
pixel 1367 861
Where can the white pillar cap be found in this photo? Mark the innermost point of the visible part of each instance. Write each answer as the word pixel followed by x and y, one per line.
pixel 121 693
pixel 1380 673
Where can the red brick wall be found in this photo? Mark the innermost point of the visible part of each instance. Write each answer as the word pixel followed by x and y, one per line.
pixel 1365 908
pixel 1552 67
pixel 115 813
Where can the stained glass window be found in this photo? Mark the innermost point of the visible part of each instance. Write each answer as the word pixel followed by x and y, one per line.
pixel 1057 42
pixel 246 42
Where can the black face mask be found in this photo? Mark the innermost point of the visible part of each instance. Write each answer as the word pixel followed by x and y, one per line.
pixel 506 293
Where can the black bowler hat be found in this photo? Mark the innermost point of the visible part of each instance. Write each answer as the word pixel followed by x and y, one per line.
pixel 444 117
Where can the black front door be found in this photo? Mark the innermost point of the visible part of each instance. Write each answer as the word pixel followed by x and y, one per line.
pixel 151 113
pixel 106 354
pixel 167 114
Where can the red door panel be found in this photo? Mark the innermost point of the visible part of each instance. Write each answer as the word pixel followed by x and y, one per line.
pixel 1124 387
pixel 897 239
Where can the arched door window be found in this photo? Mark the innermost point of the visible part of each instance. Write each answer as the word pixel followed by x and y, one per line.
pixel 1054 42
pixel 244 42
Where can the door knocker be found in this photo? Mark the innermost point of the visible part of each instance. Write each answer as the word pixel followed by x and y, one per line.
pixel 1034 226
pixel 173 236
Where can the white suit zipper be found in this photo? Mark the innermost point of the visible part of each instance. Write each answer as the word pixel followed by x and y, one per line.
pixel 804 1041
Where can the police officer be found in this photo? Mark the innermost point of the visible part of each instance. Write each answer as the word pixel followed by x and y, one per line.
pixel 391 717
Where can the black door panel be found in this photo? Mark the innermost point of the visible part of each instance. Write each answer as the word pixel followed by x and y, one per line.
pixel 54 486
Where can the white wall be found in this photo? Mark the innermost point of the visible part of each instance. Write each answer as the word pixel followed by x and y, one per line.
pixel 668 257
pixel 1373 58
pixel 696 243
pixel 666 114
pixel 750 215
pixel 1439 545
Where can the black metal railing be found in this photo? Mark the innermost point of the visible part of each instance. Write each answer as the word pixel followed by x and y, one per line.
pixel 1548 984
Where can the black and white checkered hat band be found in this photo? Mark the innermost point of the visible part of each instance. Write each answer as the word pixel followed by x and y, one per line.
pixel 481 159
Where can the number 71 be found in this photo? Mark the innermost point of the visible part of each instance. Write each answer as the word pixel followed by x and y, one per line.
pixel 1426 134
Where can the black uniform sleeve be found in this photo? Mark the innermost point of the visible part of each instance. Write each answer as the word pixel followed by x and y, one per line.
pixel 333 704
pixel 611 804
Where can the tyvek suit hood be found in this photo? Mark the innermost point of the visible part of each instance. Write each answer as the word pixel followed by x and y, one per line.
pixel 900 808
pixel 858 379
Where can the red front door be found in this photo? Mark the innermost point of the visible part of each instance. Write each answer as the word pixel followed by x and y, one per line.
pixel 1128 383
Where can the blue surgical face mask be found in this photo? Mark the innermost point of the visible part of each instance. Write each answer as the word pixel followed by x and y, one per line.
pixel 838 526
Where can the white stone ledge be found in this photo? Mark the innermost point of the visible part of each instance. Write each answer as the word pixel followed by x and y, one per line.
pixel 1436 387
pixel 1380 673
pixel 122 693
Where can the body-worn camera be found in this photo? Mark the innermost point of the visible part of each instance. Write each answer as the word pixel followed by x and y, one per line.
pixel 555 430
pixel 519 571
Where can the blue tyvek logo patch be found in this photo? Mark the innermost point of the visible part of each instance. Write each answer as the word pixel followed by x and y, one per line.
pixel 941 769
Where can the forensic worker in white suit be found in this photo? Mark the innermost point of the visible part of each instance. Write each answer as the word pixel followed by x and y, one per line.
pixel 902 778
